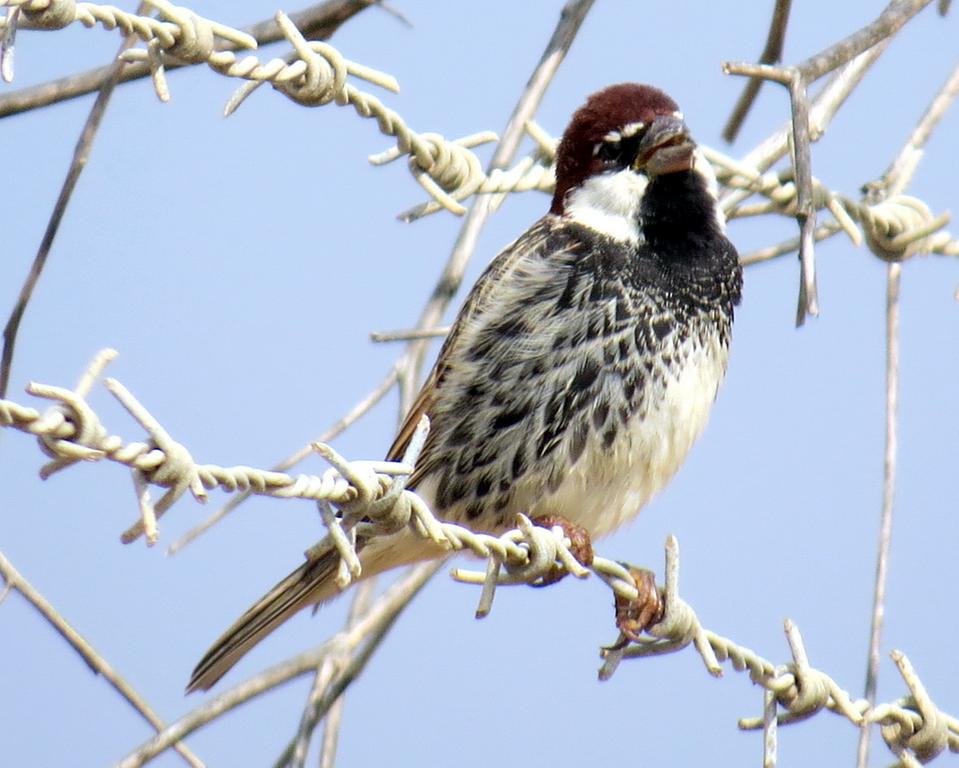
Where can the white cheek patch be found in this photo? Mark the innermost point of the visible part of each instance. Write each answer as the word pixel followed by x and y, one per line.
pixel 609 204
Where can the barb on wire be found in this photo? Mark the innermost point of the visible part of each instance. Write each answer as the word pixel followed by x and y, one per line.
pixel 343 423
pixel 913 727
pixel 317 22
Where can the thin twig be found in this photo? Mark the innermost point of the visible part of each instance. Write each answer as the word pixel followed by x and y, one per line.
pixel 893 276
pixel 894 181
pixel 81 154
pixel 342 424
pixel 824 107
pixel 372 628
pixel 296 752
pixel 798 79
pixel 318 22
pixel 772 53
pixel 391 11
pixel 787 246
pixel 410 334
pixel 14 580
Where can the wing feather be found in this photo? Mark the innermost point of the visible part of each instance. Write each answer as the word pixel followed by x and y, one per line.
pixel 486 293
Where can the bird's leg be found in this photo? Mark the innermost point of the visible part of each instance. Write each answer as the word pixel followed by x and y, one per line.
pixel 635 616
pixel 580 545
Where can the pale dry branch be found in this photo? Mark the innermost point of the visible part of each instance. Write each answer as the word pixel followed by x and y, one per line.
pixel 797 80
pixel 296 752
pixel 893 182
pixel 410 334
pixel 772 52
pixel 81 154
pixel 364 638
pixel 14 581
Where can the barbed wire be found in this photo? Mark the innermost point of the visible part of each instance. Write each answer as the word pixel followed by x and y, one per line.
pixel 894 229
pixel 316 74
pixel 71 431
pixel 373 501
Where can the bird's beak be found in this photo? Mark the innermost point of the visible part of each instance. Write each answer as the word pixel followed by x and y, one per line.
pixel 665 148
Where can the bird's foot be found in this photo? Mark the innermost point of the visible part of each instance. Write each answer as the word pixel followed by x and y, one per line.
pixel 633 617
pixel 580 546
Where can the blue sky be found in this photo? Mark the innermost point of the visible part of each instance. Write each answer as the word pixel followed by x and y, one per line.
pixel 239 266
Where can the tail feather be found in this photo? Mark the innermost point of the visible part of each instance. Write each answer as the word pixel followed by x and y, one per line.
pixel 313 582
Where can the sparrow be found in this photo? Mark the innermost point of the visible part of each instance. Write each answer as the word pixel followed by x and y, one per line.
pixel 582 366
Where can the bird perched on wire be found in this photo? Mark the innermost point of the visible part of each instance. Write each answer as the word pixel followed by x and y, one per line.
pixel 583 363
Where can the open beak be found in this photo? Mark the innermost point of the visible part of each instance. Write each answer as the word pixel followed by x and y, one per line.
pixel 665 148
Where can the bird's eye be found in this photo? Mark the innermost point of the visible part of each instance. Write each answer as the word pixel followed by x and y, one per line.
pixel 609 152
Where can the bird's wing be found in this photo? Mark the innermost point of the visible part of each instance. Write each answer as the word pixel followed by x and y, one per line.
pixel 492 288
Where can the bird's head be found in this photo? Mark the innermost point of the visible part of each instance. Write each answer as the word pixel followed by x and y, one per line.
pixel 623 137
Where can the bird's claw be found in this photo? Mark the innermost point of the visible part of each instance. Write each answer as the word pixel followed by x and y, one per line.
pixel 580 546
pixel 633 617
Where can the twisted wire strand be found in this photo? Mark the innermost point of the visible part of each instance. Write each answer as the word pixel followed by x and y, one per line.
pixel 372 499
pixel 894 229
pixel 317 74
pixel 371 495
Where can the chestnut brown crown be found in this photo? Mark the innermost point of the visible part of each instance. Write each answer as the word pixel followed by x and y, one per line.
pixel 616 113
